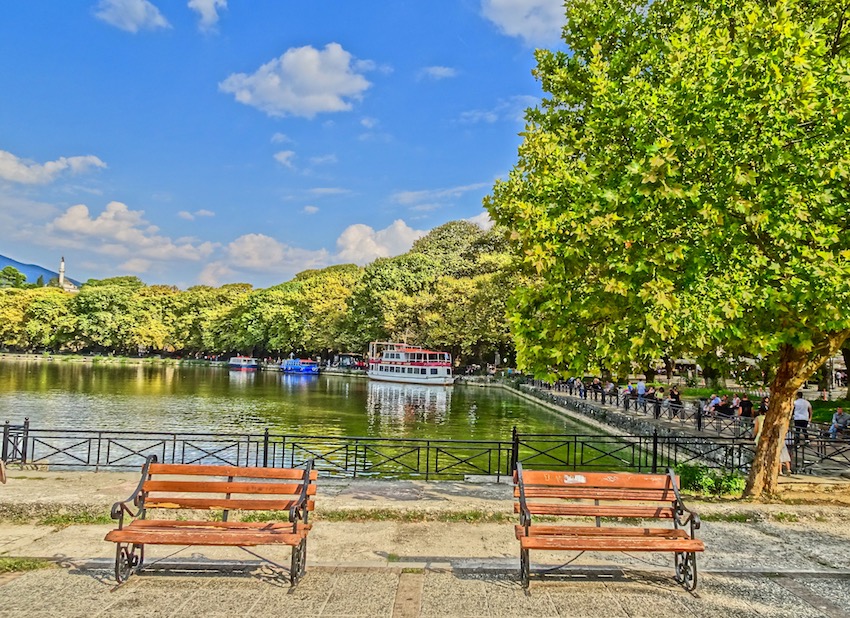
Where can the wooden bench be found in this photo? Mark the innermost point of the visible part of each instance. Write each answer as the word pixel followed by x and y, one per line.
pixel 214 488
pixel 609 495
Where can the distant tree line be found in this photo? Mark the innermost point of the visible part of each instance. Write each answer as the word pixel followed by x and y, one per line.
pixel 449 291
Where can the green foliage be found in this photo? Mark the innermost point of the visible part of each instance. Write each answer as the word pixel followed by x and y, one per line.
pixel 10 564
pixel 706 481
pixel 11 277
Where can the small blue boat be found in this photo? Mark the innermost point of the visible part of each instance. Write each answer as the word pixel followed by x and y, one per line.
pixel 299 365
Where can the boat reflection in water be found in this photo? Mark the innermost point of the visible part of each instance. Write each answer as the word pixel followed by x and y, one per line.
pixel 241 379
pixel 297 381
pixel 402 404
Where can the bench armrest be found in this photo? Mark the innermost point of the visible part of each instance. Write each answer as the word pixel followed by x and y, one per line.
pixel 524 513
pixel 299 511
pixel 136 499
pixel 682 515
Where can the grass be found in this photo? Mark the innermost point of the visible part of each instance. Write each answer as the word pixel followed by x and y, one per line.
pixel 19 565
pixel 74 519
pixel 789 518
pixel 401 515
pixel 822 411
pixel 740 518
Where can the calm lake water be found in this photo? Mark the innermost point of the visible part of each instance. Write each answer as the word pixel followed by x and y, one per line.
pixel 78 395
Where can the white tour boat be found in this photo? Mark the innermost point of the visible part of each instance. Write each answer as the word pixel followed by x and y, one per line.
pixel 408 364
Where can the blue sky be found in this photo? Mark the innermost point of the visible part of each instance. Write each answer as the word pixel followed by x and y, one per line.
pixel 217 141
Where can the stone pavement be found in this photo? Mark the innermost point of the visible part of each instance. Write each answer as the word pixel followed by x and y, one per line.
pixel 786 560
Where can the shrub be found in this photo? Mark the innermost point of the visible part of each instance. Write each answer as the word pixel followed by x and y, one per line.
pixel 703 480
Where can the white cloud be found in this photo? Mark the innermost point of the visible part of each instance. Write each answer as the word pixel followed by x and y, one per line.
pixel 324 159
pixel 512 110
pixel 131 15
pixel 208 12
pixel 537 22
pixel 122 233
pixel 434 198
pixel 361 244
pixel 304 81
pixel 191 216
pixel 322 191
pixel 483 220
pixel 135 265
pixel 284 157
pixel 280 138
pixel 258 253
pixel 369 123
pixel 18 170
pixel 437 73
pixel 311 210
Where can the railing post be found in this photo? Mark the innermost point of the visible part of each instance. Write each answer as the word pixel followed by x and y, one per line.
pixel 655 451
pixel 514 449
pixel 25 440
pixel 698 404
pixel 266 448
pixel 5 451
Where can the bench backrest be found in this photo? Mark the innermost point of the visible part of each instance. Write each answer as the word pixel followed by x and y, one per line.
pixel 185 486
pixel 548 492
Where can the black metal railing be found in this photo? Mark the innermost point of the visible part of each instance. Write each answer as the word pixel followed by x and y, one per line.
pixel 404 457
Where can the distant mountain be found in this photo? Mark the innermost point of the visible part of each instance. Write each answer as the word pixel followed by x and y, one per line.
pixel 32 271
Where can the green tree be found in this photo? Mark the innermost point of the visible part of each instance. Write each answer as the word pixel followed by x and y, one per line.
pixel 685 182
pixel 11 277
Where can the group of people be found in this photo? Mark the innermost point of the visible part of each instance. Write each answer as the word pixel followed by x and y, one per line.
pixel 738 405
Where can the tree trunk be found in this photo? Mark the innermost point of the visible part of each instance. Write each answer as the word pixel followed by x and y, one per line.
pixel 794 368
pixel 845 352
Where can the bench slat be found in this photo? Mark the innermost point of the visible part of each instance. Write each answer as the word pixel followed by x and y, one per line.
pixel 602 510
pixel 595 479
pixel 179 502
pixel 165 524
pixel 555 530
pixel 235 471
pixel 238 538
pixel 225 487
pixel 579 543
pixel 601 493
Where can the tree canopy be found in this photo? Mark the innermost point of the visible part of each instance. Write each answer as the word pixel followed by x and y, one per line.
pixel 684 187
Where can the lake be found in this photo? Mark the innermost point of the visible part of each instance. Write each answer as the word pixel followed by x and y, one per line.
pixel 191 398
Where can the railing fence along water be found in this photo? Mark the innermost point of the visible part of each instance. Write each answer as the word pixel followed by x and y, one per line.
pixel 402 457
pixel 368 457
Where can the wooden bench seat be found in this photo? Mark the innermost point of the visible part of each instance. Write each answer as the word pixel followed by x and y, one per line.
pixel 581 495
pixel 219 489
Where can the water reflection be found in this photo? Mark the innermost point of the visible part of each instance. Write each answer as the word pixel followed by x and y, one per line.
pixel 298 381
pixel 407 404
pixel 242 379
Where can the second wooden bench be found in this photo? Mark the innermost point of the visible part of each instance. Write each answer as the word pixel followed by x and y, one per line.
pixel 575 495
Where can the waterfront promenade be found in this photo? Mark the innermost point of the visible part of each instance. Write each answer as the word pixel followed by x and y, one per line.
pixel 411 548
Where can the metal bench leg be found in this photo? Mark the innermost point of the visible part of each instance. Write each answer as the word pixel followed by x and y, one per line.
pixel 298 566
pixel 524 567
pixel 686 570
pixel 128 560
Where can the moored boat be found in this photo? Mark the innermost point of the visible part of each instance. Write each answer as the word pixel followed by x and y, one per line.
pixel 243 363
pixel 299 365
pixel 408 364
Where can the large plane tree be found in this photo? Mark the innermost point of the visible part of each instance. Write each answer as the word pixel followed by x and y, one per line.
pixel 684 186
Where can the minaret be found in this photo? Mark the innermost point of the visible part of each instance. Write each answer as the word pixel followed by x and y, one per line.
pixel 62 272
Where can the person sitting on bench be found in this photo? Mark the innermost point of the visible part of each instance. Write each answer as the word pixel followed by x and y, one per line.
pixel 839 424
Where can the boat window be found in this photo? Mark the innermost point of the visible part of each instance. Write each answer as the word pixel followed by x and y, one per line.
pixel 422 371
pixel 434 371
pixel 410 370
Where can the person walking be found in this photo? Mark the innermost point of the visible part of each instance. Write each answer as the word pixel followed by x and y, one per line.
pixel 802 415
pixel 784 455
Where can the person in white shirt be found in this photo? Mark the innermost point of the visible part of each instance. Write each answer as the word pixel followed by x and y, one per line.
pixel 802 415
